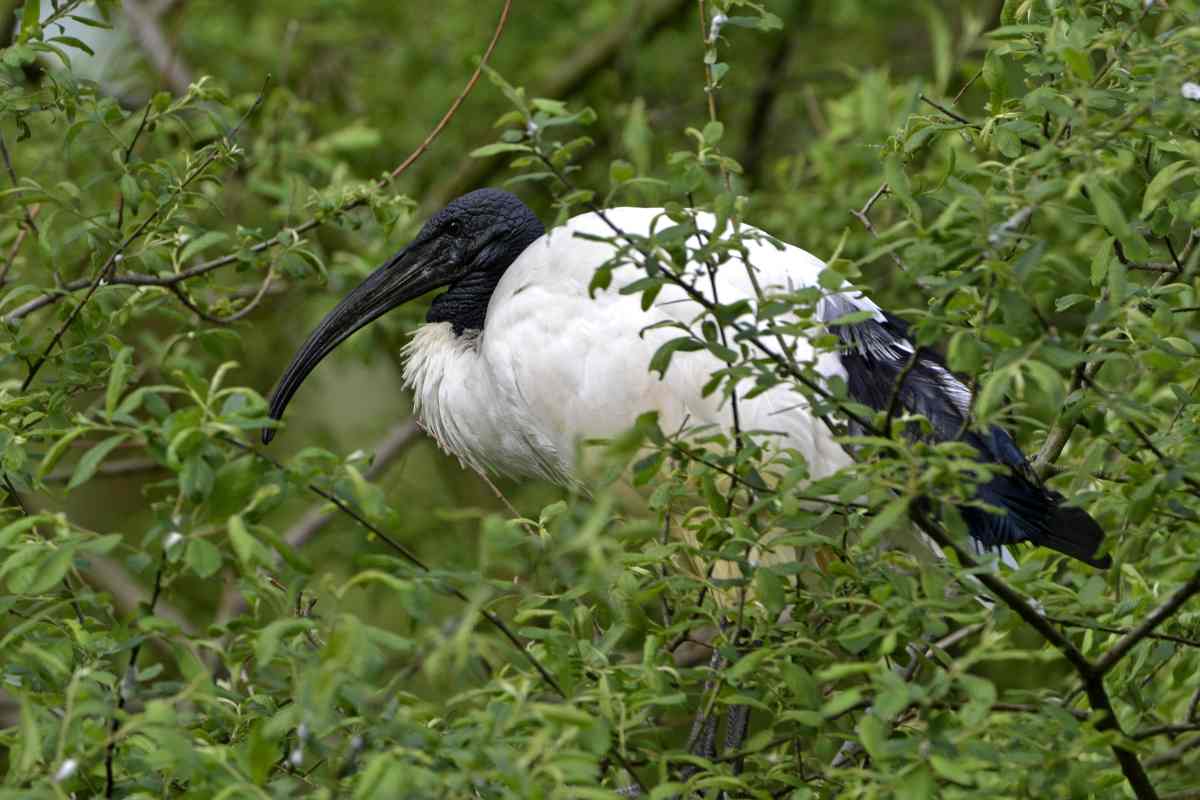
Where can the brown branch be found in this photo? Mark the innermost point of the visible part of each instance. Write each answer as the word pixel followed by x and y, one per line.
pixel 1168 757
pixel 494 620
pixel 412 559
pixel 570 78
pixel 136 279
pixel 863 215
pixel 487 54
pixel 126 684
pixel 107 575
pixel 1124 41
pixel 1091 674
pixel 12 174
pixel 16 247
pixel 241 313
pixel 1060 432
pixel 766 95
pixel 1156 618
pixel 1163 637
pixel 111 469
pixel 1165 730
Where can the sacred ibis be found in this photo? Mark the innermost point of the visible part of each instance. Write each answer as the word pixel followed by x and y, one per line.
pixel 518 362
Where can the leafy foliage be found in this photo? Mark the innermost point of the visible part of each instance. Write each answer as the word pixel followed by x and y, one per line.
pixel 1028 201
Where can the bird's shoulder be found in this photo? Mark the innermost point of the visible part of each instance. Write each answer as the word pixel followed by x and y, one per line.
pixel 564 262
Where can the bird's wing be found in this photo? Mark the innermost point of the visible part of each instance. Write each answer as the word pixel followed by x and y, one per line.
pixel 579 360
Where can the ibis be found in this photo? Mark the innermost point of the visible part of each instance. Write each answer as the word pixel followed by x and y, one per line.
pixel 521 358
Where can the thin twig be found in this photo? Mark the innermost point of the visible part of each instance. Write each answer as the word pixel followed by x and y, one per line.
pixel 126 685
pixel 454 591
pixel 118 253
pixel 393 444
pixel 144 23
pixel 1142 631
pixel 16 246
pixel 863 215
pixel 293 232
pixel 1092 676
pixel 458 101
pixel 12 174
pixel 1147 6
pixel 1162 637
pixel 1165 730
pixel 410 557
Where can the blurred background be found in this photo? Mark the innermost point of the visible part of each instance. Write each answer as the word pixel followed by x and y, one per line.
pixel 355 85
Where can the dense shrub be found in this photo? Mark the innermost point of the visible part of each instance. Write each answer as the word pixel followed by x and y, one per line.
pixel 1027 200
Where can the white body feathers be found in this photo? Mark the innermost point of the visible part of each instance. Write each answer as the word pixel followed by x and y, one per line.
pixel 554 366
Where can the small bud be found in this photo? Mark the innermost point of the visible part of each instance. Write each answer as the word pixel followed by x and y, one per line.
pixel 1190 91
pixel 531 129
pixel 714 30
pixel 296 758
pixel 173 538
pixel 66 770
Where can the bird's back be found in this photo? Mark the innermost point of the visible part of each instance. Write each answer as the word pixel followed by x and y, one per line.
pixel 579 362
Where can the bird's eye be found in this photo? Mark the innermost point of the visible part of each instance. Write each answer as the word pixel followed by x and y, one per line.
pixel 454 227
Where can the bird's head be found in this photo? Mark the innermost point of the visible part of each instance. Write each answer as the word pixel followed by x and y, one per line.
pixel 466 246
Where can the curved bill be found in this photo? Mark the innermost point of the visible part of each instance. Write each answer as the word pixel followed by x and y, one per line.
pixel 406 277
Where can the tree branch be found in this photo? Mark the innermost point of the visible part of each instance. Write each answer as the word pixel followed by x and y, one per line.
pixel 1092 676
pixel 285 234
pixel 1156 618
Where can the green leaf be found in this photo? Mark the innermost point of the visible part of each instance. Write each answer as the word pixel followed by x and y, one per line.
pixel 31 738
pixel 661 359
pixel 50 571
pixel 1113 218
pixel 267 644
pixel 87 465
pixel 497 148
pixel 1156 192
pixel 713 132
pixel 198 245
pixel 886 519
pixel 1079 62
pixel 117 378
pixel 31 17
pixel 202 557
pixel 249 551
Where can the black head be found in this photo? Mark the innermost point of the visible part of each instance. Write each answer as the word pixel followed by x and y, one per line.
pixel 465 246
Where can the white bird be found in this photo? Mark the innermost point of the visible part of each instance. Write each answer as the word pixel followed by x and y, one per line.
pixel 519 362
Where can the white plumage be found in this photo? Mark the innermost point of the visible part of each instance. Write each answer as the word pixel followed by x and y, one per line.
pixel 519 362
pixel 553 365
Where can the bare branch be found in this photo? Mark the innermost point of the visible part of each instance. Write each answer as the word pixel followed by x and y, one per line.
pixel 16 246
pixel 12 174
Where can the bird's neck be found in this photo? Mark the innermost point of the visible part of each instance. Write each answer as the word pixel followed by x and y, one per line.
pixel 464 304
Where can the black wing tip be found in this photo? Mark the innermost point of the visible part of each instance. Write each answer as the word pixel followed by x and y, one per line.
pixel 1073 532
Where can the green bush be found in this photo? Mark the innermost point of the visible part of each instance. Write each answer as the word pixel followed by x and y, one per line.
pixel 173 625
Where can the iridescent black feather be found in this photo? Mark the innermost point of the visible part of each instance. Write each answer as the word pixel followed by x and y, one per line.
pixel 877 353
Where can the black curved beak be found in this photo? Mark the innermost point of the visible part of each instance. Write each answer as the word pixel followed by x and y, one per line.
pixel 407 276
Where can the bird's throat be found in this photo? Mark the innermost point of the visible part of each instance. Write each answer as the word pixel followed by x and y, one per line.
pixel 464 305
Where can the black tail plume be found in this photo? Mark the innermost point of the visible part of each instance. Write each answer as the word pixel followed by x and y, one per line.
pixel 877 353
